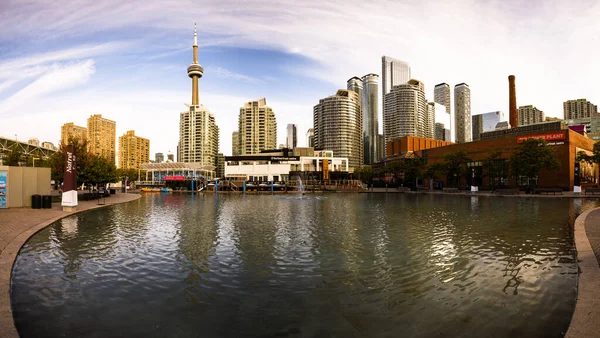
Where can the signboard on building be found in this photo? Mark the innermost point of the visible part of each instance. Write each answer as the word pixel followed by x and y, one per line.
pixel 548 137
pixel 325 169
pixel 174 178
pixel 69 195
pixel 3 189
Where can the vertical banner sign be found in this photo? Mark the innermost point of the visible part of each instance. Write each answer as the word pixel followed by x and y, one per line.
pixel 577 178
pixel 325 169
pixel 69 195
pixel 3 189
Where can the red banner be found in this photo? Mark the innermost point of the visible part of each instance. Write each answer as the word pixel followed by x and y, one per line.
pixel 174 178
pixel 548 137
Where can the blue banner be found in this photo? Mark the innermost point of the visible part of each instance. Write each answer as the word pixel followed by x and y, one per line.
pixel 3 188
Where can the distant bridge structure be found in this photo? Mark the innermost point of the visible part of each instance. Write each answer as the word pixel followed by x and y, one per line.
pixel 27 149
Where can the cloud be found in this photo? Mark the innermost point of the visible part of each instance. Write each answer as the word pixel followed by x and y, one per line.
pixel 58 78
pixel 549 45
pixel 226 73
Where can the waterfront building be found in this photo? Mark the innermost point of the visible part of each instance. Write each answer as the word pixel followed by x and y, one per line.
pixel 159 158
pixel 257 127
pixel 577 109
pixel 291 140
pixel 393 73
pixel 102 137
pixel 338 126
pixel 277 165
pixel 235 143
pixel 159 173
pixel 486 122
pixel 198 131
pixel 405 112
pixel 462 112
pixel 370 113
pixel 133 150
pixel 530 115
pixel 70 130
pixel 310 137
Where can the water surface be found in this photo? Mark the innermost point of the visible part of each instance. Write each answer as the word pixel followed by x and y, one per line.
pixel 336 265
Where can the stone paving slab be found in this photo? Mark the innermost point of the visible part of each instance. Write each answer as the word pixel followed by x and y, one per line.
pixel 17 225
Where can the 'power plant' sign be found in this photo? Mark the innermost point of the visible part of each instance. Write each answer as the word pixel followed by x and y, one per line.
pixel 548 137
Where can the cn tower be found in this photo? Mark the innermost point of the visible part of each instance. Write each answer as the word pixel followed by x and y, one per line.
pixel 195 71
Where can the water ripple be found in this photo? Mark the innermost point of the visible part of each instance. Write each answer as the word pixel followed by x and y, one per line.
pixel 314 265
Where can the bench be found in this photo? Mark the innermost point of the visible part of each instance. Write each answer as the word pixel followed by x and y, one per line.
pixel 548 190
pixel 591 191
pixel 403 189
pixel 507 191
pixel 450 190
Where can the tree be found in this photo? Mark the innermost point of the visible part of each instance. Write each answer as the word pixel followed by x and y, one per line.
pixel 455 165
pixel 432 171
pixel 411 168
pixel 495 167
pixel 14 156
pixel 363 173
pixel 594 158
pixel 531 157
pixel 98 170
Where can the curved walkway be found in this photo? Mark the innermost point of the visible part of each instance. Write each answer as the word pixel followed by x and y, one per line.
pixel 16 227
pixel 586 319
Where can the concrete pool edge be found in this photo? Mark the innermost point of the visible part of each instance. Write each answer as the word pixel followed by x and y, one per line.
pixel 586 317
pixel 12 248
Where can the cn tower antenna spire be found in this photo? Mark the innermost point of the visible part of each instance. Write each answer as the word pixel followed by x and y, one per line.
pixel 195 36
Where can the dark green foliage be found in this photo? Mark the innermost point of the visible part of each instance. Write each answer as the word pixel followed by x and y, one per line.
pixel 532 156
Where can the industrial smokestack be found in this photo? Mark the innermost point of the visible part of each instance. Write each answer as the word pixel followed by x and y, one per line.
pixel 512 102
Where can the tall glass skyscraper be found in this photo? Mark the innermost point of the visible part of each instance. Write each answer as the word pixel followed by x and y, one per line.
pixel 291 139
pixel 393 72
pixel 486 122
pixel 405 112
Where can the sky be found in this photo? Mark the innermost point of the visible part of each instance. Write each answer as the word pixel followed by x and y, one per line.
pixel 127 60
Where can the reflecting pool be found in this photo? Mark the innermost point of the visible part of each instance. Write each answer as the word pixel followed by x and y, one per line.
pixel 344 265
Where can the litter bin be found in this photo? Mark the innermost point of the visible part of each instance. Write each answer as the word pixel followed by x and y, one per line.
pixel 113 191
pixel 46 202
pixel 36 201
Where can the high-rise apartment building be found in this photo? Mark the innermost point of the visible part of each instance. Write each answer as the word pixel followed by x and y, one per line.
pixel 70 130
pixel 198 131
pixel 338 126
pixel 220 166
pixel 442 127
pixel 235 144
pixel 291 139
pixel 355 84
pixel 393 72
pixel 485 122
pixel 257 127
pixel 441 95
pixel 159 158
pixel 310 137
pixel 462 112
pixel 578 109
pixel 405 112
pixel 133 150
pixel 530 115
pixel 102 137
pixel 370 112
